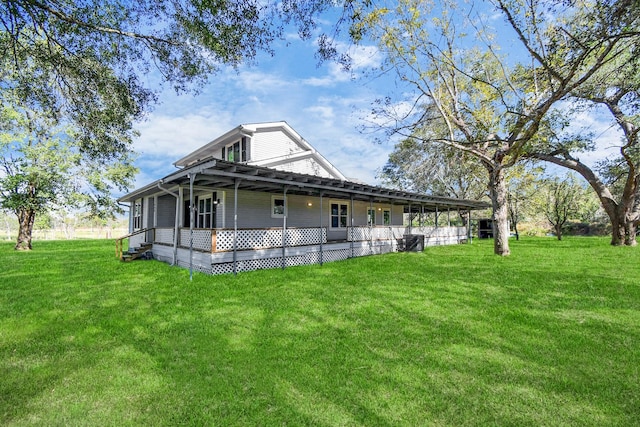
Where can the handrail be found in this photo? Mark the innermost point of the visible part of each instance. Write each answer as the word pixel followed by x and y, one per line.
pixel 120 239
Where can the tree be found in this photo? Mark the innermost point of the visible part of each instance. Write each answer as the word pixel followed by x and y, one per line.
pixel 72 80
pixel 468 96
pixel 616 181
pixel 43 166
pixel 423 168
pixel 523 184
pixel 444 172
pixel 563 198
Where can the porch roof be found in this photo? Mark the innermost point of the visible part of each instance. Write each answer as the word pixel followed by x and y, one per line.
pixel 222 175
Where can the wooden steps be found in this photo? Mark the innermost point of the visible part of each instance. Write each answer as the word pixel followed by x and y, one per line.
pixel 137 252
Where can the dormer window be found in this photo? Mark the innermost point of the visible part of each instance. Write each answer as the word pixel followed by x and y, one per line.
pixel 235 152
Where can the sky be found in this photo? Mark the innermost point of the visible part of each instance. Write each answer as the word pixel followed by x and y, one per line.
pixel 326 105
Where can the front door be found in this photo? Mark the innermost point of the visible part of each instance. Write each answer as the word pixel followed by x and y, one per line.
pixel 338 220
pixel 206 212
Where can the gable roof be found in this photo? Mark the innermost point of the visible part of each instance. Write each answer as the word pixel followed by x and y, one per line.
pixel 249 130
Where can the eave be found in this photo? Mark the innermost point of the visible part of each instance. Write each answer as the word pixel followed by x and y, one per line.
pixel 222 175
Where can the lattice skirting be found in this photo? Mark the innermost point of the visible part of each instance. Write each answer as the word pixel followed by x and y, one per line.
pixel 268 259
pixel 290 261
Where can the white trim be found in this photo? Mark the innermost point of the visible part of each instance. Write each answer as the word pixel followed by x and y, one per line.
pixel 346 217
pixel 280 160
pixel 248 130
pixel 273 206
pixel 155 210
pixel 206 150
pixel 137 213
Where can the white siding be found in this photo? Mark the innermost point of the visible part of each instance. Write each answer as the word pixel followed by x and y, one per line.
pixel 305 166
pixel 254 211
pixel 267 144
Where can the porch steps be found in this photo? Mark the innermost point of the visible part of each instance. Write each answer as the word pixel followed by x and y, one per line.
pixel 137 252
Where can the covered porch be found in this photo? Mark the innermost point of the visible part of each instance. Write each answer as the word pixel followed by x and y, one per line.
pixel 316 219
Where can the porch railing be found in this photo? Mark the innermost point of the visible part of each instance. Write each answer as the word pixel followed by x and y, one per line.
pixel 135 239
pixel 222 240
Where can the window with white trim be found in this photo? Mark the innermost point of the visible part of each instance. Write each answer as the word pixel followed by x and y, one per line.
pixel 137 214
pixel 371 216
pixel 205 212
pixel 339 215
pixel 278 207
pixel 235 152
pixel 386 216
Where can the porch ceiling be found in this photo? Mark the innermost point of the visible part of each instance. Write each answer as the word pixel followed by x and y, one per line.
pixel 224 175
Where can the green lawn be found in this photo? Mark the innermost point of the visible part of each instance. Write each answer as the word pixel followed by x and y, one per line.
pixel 452 336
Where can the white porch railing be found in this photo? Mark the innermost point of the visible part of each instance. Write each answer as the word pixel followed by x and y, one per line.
pixel 364 233
pixel 264 238
pixel 358 234
pixel 221 240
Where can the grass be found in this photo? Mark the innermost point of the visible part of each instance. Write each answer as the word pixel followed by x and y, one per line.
pixel 452 336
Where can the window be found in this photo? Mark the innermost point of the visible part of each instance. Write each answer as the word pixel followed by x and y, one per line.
pixel 278 207
pixel 339 215
pixel 137 215
pixel 205 212
pixel 371 216
pixel 386 216
pixel 236 152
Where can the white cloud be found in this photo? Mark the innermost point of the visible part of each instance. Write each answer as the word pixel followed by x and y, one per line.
pixel 324 112
pixel 321 103
pixel 260 82
pixel 365 57
pixel 175 136
pixel 607 135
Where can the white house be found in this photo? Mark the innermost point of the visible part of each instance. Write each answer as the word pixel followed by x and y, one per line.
pixel 260 196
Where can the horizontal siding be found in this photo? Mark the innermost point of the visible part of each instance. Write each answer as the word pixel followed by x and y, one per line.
pixel 305 166
pixel 254 211
pixel 267 145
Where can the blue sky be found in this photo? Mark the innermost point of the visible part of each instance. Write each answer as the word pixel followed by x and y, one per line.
pixel 326 105
pixel 323 103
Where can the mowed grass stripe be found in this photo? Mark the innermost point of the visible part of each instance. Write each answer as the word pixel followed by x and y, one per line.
pixel 450 336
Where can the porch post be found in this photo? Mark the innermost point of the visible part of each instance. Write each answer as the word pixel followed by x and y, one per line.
pixel 236 182
pixel 176 230
pixel 321 233
pixel 192 178
pixel 284 230
pixel 351 226
pixel 392 235
pixel 437 233
pixel 457 232
pixel 372 219
pixel 410 218
pixel 176 226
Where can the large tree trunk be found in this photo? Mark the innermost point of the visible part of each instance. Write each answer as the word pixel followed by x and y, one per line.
pixel 498 194
pixel 26 218
pixel 623 230
pixel 623 226
pixel 623 216
pixel 630 230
